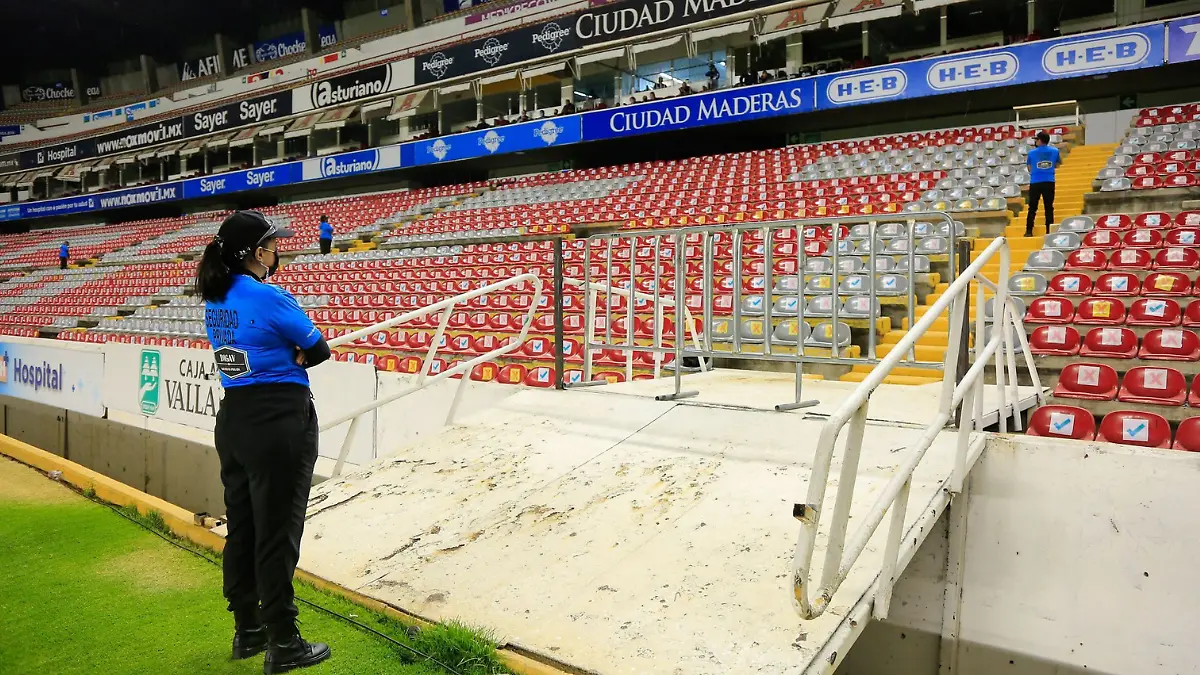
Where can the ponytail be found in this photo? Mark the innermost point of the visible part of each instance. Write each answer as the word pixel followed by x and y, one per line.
pixel 213 276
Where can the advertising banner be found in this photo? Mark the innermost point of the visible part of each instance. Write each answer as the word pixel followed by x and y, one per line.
pixel 10 130
pixel 291 44
pixel 487 14
pixel 182 386
pixel 511 138
pixel 239 181
pixel 347 88
pixel 240 114
pixel 720 107
pixel 201 67
pixel 507 49
pixel 63 378
pixel 1183 36
pixel 351 163
pixel 1041 61
pixel 58 91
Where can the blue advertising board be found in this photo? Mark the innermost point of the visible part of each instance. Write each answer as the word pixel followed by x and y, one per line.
pixel 1093 54
pixel 10 130
pixel 533 135
pixel 719 107
pixel 1183 39
pixel 291 44
pixel 350 163
pixel 10 212
pixel 239 181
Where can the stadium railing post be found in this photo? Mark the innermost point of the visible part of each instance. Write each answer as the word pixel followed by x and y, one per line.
pixel 559 360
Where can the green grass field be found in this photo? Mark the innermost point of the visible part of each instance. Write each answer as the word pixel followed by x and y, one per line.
pixel 83 590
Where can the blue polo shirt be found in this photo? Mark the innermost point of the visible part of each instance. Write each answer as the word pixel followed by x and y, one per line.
pixel 326 230
pixel 62 251
pixel 254 332
pixel 1042 160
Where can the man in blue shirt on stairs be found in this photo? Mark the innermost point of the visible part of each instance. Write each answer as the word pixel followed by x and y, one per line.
pixel 1042 161
pixel 326 235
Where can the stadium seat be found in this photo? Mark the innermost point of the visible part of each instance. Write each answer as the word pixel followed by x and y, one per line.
pixel 1129 427
pixel 1153 386
pixel 1099 311
pixel 1143 238
pixel 1191 315
pixel 1177 258
pixel 1045 259
pixel 1028 284
pixel 1088 381
pixel 1154 312
pixel 1050 309
pixel 1116 221
pixel 1086 259
pixel 1130 259
pixel 1167 283
pixel 1118 283
pixel 1102 240
pixel 1187 436
pixel 1183 236
pixel 1062 421
pixel 1068 283
pixel 1110 342
pixel 1078 224
pixel 1054 341
pixel 1170 344
pixel 1153 220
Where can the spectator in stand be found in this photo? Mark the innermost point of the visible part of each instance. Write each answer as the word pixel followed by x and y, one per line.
pixel 685 89
pixel 326 236
pixel 746 79
pixel 1042 161
pixel 632 100
pixel 64 252
pixel 781 75
pixel 650 96
pixel 568 108
pixel 661 83
pixel 765 77
pixel 713 75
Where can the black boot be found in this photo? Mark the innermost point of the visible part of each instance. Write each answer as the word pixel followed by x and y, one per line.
pixel 288 651
pixel 249 635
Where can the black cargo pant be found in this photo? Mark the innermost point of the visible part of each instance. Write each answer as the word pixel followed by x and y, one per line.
pixel 266 438
pixel 326 245
pixel 1044 192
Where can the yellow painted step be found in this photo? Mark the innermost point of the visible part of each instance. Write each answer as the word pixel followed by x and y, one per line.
pixel 910 372
pixel 893 379
pixel 929 339
pixel 922 353
pixel 940 324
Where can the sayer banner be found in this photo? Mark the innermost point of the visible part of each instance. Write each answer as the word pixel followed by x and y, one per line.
pixel 511 138
pixel 732 105
pixel 1183 36
pixel 238 114
pixel 498 51
pixel 63 378
pixel 1041 61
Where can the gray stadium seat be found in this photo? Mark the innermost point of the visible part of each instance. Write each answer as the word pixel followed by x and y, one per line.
pixel 1027 284
pixel 1062 241
pixel 1077 224
pixel 823 335
pixel 752 305
pixel 791 332
pixel 789 285
pixel 751 330
pixel 859 307
pixel 920 263
pixel 989 309
pixel 933 246
pixel 1045 259
pixel 820 306
pixel 786 306
pixel 720 329
pixel 891 284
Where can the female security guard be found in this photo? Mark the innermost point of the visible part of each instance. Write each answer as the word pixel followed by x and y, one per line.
pixel 266 434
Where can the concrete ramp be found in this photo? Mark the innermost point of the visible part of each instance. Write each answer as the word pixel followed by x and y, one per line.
pixel 616 533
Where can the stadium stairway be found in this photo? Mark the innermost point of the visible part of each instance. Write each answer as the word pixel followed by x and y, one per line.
pixel 1075 178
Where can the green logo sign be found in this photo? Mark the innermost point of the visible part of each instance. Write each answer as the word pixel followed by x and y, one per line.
pixel 148 391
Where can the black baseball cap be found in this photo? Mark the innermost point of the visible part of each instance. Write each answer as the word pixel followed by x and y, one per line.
pixel 244 231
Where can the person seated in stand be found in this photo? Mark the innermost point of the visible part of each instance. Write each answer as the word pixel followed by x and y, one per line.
pixel 685 89
pixel 781 75
pixel 568 108
pixel 661 83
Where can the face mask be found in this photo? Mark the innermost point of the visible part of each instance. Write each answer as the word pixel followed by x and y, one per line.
pixel 274 266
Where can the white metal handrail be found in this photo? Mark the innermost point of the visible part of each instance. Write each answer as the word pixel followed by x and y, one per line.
pixel 446 307
pixel 594 289
pixel 840 558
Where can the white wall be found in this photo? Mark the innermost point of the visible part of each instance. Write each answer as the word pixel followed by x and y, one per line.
pixel 1080 559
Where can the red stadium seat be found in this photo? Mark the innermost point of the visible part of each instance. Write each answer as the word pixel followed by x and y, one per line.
pixel 1153 220
pixel 1102 239
pixel 1129 427
pixel 1054 341
pixel 1187 219
pixel 1116 221
pixel 1100 312
pixel 1119 283
pixel 1170 344
pixel 1130 259
pixel 485 372
pixel 1194 395
pixel 1167 283
pixel 1050 310
pixel 1088 381
pixel 1191 315
pixel 513 373
pixel 1143 238
pixel 1183 236
pixel 1187 436
pixel 1062 421
pixel 1154 312
pixel 542 376
pixel 1087 259
pixel 1177 258
pixel 1069 283
pixel 1110 342
pixel 1153 386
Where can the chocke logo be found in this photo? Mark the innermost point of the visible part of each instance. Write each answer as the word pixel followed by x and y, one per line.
pixel 438 64
pixel 439 149
pixel 548 132
pixel 491 140
pixel 491 51
pixel 551 36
